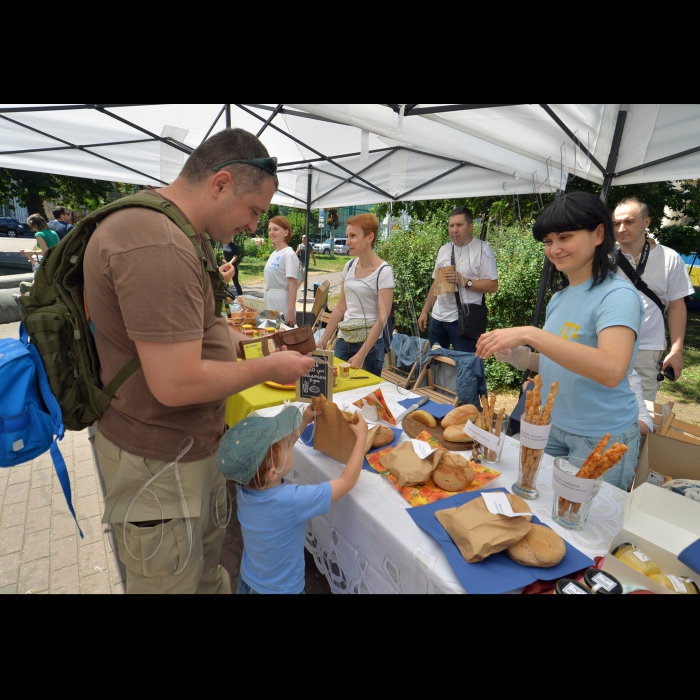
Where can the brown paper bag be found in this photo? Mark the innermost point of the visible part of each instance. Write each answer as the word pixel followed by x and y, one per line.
pixel 333 436
pixel 442 286
pixel 408 468
pixel 478 533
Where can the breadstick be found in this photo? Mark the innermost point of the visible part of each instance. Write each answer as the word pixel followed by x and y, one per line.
pixel 546 416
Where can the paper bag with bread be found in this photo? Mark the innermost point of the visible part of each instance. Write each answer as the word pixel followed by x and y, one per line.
pixel 407 467
pixel 479 533
pixel 442 286
pixel 332 436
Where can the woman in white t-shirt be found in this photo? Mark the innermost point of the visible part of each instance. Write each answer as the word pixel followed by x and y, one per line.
pixel 281 271
pixel 367 296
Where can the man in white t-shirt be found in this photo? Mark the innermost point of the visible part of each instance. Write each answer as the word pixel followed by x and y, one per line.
pixel 663 271
pixel 474 275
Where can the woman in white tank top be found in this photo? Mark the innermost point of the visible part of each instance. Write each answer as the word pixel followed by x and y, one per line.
pixel 281 271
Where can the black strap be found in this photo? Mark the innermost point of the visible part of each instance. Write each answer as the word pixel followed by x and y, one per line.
pixel 457 297
pixel 635 278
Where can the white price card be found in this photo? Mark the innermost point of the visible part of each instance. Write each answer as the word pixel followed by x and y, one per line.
pixel 573 488
pixel 422 448
pixel 498 504
pixel 534 436
pixel 483 437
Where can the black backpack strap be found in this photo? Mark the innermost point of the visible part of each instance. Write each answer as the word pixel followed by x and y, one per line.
pixel 637 281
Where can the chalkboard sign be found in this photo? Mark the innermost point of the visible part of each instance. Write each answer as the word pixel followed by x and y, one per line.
pixel 319 380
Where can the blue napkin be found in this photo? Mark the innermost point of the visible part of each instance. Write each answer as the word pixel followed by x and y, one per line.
pixel 397 434
pixel 497 573
pixel 690 556
pixel 439 410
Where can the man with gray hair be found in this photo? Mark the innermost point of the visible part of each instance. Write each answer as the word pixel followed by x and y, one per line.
pixel 146 295
pixel 659 274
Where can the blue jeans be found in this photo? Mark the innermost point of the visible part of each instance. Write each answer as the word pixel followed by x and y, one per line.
pixel 563 444
pixel 445 333
pixel 375 357
pixel 244 589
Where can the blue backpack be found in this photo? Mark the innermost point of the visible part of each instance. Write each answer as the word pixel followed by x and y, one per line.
pixel 30 417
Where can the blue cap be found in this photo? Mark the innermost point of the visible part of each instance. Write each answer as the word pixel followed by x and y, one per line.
pixel 244 446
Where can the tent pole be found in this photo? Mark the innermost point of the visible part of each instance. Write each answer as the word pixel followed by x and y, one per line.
pixel 307 257
pixel 228 116
pixel 614 150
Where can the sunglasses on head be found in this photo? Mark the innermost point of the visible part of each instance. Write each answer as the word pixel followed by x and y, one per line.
pixel 267 164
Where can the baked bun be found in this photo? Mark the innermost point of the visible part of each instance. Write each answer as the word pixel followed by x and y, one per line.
pixel 454 433
pixel 453 472
pixel 350 417
pixel 461 414
pixel 541 547
pixel 424 417
pixel 382 437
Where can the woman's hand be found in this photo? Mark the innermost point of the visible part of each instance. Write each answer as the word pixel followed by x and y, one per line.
pixel 291 317
pixel 356 361
pixel 500 340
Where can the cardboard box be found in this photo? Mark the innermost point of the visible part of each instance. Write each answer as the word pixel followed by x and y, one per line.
pixel 661 524
pixel 667 457
pixel 255 303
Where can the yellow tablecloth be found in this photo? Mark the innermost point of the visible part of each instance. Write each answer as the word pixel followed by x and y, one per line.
pixel 240 405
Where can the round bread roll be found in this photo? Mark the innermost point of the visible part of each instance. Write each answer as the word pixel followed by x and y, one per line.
pixel 454 433
pixel 518 504
pixel 382 437
pixel 541 547
pixel 453 472
pixel 461 414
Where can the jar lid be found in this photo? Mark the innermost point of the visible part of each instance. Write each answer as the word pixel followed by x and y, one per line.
pixel 570 586
pixel 601 582
pixel 620 546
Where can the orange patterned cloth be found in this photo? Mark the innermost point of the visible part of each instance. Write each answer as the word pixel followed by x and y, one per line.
pixel 376 398
pixel 420 494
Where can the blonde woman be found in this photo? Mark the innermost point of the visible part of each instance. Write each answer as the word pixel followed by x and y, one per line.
pixel 281 271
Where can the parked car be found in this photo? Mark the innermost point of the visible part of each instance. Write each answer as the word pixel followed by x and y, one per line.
pixel 341 247
pixel 12 228
pixel 324 247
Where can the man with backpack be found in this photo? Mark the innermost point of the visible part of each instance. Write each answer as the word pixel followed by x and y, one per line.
pixel 152 292
pixel 62 224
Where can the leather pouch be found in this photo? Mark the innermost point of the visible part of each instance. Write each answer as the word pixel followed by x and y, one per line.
pixel 298 339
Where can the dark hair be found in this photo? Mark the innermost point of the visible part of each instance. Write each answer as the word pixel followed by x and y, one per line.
pixel 643 207
pixel 468 214
pixel 229 144
pixel 573 212
pixel 60 211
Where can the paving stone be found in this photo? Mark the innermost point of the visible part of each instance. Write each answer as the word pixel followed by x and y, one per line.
pixel 64 553
pixel 42 463
pixel 40 497
pixel 9 569
pixel 38 519
pixel 37 545
pixel 3 487
pixel 20 473
pixel 85 469
pixel 16 493
pixel 98 583
pixel 93 558
pixel 63 525
pixel 35 576
pixel 14 514
pixel 41 478
pixel 86 487
pixel 83 453
pixel 66 580
pixel 11 539
pixel 9 590
pixel 88 506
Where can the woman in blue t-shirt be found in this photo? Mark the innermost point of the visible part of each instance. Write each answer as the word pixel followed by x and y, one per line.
pixel 590 337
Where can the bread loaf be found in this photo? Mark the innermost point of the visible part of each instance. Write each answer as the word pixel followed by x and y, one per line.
pixel 455 433
pixel 383 437
pixel 461 414
pixel 541 547
pixel 424 417
pixel 453 472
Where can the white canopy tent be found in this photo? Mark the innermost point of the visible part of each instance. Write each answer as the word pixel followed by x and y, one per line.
pixel 335 155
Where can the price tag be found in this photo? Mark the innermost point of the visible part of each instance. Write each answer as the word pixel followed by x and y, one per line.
pixel 534 436
pixel 498 504
pixel 422 449
pixel 573 488
pixel 483 437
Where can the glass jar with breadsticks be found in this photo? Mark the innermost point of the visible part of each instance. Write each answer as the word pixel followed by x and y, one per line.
pixel 489 440
pixel 576 485
pixel 535 425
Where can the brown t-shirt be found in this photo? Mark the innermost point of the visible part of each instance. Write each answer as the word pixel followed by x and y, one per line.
pixel 143 281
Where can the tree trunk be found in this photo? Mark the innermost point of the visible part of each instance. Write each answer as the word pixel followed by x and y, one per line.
pixel 35 204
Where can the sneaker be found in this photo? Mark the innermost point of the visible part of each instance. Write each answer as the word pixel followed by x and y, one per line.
pixel 436 346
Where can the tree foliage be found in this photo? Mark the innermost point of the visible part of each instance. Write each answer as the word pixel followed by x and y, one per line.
pixel 683 239
pixel 31 189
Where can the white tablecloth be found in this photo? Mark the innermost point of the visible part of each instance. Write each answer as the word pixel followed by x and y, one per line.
pixel 367 543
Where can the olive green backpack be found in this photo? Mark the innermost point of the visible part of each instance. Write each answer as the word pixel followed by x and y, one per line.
pixel 53 314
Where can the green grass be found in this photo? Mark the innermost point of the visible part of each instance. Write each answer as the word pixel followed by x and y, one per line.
pixel 251 270
pixel 687 388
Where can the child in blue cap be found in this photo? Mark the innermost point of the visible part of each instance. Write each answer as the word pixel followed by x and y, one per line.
pixel 256 453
